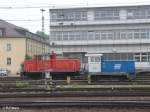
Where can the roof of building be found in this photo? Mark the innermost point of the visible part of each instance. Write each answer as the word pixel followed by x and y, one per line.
pixel 11 31
pixel 98 6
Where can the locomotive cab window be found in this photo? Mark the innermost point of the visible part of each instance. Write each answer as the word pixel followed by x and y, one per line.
pixel 92 59
pixel 95 59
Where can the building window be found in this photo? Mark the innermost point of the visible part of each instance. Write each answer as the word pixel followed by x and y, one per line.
pixel 123 35
pixel 141 57
pixel 78 36
pixel 53 36
pixel 1 33
pixel 71 35
pixel 59 35
pixel 148 56
pixel 136 34
pixel 137 57
pixel 110 35
pixel 138 13
pixel 129 35
pixel 107 14
pixel 101 35
pixel 97 35
pixel 8 47
pixel 65 35
pixel 91 35
pixel 8 61
pixel 68 15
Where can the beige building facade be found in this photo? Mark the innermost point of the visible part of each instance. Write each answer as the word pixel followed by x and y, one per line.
pixel 34 47
pixel 12 53
pixel 15 48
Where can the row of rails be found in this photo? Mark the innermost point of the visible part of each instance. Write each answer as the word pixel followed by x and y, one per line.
pixel 48 86
pixel 78 96
pixel 19 92
pixel 142 79
pixel 89 98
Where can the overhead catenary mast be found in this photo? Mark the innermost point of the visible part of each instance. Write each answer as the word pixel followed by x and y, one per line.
pixel 43 30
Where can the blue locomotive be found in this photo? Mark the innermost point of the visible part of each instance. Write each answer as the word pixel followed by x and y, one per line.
pixel 97 66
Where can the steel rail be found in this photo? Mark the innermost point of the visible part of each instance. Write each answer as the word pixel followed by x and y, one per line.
pixel 85 103
pixel 73 94
pixel 141 79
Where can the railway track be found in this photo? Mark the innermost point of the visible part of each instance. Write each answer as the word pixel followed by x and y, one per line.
pixel 86 103
pixel 141 79
pixel 108 93
pixel 78 90
pixel 87 94
pixel 79 82
pixel 104 82
pixel 125 96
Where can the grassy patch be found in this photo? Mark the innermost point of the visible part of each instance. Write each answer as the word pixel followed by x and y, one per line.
pixel 21 84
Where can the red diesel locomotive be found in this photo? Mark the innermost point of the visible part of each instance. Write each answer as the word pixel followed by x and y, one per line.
pixel 56 66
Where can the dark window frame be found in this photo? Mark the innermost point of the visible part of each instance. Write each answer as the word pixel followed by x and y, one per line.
pixel 9 61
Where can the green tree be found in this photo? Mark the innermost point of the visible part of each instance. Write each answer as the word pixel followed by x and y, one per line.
pixel 27 57
pixel 44 35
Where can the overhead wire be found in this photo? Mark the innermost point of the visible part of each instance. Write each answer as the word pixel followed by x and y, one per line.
pixel 28 20
pixel 26 7
pixel 53 5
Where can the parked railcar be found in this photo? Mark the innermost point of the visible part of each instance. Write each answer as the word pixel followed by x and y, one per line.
pixel 110 68
pixel 58 67
pixel 142 67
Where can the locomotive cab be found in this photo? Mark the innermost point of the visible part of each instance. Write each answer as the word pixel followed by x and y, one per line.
pixel 99 67
pixel 94 63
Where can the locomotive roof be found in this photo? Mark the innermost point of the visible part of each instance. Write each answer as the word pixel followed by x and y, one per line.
pixel 93 55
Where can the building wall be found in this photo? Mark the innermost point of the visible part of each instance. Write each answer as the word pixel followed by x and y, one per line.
pixel 35 47
pixel 15 50
pixel 101 30
pixel 100 15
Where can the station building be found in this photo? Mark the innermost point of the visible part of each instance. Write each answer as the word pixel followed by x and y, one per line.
pixel 17 44
pixel 118 32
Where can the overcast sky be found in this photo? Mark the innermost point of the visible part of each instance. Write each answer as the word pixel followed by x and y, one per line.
pixel 18 11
